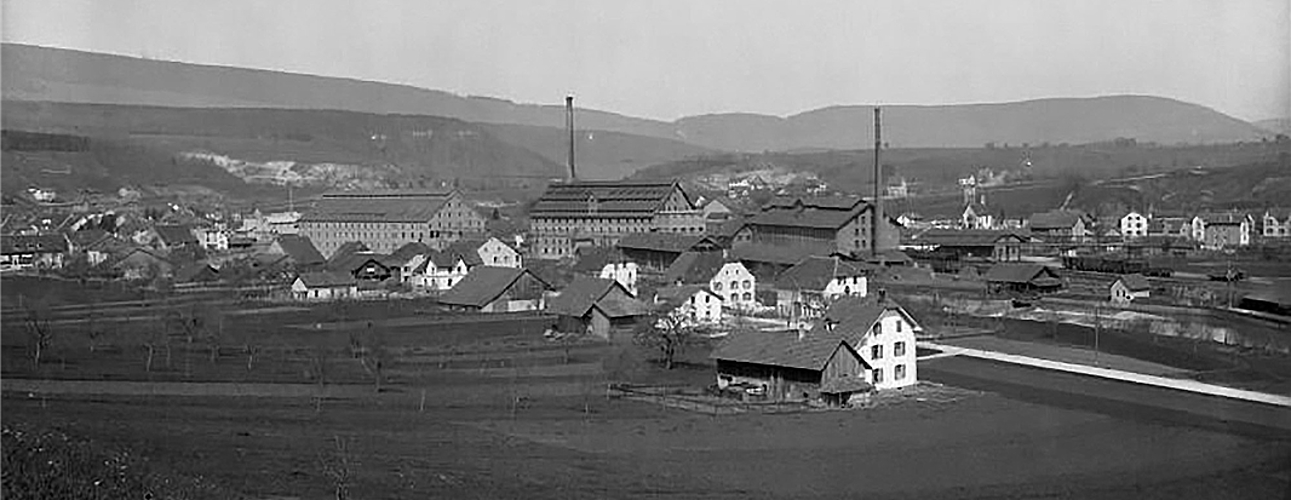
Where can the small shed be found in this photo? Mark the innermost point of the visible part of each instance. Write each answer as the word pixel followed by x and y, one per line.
pixel 1129 287
pixel 1022 277
pixel 791 366
pixel 498 289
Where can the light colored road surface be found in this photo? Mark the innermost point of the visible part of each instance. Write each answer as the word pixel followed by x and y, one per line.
pixel 1120 375
pixel 1074 355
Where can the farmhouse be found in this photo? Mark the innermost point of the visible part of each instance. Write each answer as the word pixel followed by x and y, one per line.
pixel 324 286
pixel 436 270
pixel 768 261
pixel 882 332
pixel 1172 226
pixel 599 307
pixel 44 251
pixel 197 272
pixel 623 272
pixel 996 246
pixel 1223 230
pixel 704 306
pixel 1133 225
pixel 656 251
pixel 485 252
pixel 1277 223
pixel 826 225
pixel 385 220
pixel 498 289
pixel 600 213
pixel 791 366
pixel 727 278
pixel 803 290
pixel 141 263
pixel 1129 287
pixel 1020 277
pixel 1060 225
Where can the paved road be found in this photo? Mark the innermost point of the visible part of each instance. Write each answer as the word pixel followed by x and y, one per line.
pixel 1122 399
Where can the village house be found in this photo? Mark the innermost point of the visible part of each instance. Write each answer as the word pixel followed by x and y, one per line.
pixel 654 252
pixel 1129 287
pixel 623 272
pixel 386 220
pixel 140 263
pixel 324 285
pixel 1022 278
pixel 725 277
pixel 882 332
pixel 985 245
pixel 486 252
pixel 1224 230
pixel 299 251
pixel 805 290
pixel 45 251
pixel 169 237
pixel 976 216
pixel 1277 223
pixel 1134 225
pixel 498 289
pixel 212 238
pixel 436 271
pixel 1061 225
pixel 579 214
pixel 197 273
pixel 598 307
pixel 825 225
pixel 791 366
pixel 1170 226
pixel 703 306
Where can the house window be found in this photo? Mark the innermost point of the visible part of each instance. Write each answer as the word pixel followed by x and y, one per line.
pixel 900 372
pixel 747 284
pixel 878 375
pixel 876 352
pixel 898 350
pixel 898 327
pixel 717 286
pixel 878 328
pixel 748 296
pixel 735 285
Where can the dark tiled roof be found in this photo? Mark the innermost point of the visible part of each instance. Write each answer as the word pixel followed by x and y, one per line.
pixel 810 351
pixel 467 249
pixel 952 237
pixel 581 295
pixel 621 306
pixel 346 249
pixel 197 272
pixel 694 267
pixel 773 254
pixel 1224 218
pixel 41 243
pixel 377 206
pixel 815 273
pixel 591 260
pixel 826 202
pixel 1056 219
pixel 300 249
pixel 327 279
pixel 609 198
pixel 677 294
pixel 410 250
pixel 176 235
pixel 484 284
pixel 353 262
pixel 663 242
pixel 1019 273
pixel 1135 282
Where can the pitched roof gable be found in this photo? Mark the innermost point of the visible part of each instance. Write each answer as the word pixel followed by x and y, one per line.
pixel 695 267
pixel 581 295
pixel 815 273
pixel 485 284
pixel 789 349
pixel 327 279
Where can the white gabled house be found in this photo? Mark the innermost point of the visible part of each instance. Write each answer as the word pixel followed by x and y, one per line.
pixel 727 278
pixel 437 271
pixel 324 286
pixel 1134 225
pixel 804 290
pixel 623 272
pixel 882 332
pixel 697 301
pixel 1128 288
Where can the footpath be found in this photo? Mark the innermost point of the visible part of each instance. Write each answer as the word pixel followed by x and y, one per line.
pixel 1188 385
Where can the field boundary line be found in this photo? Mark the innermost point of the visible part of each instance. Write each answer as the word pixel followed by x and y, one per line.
pixel 1121 375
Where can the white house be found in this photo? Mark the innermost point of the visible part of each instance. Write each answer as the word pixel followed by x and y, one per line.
pixel 882 332
pixel 976 216
pixel 701 304
pixel 437 271
pixel 214 239
pixel 736 283
pixel 324 286
pixel 1198 228
pixel 494 252
pixel 1129 287
pixel 1277 223
pixel 1134 225
pixel 804 290
pixel 625 273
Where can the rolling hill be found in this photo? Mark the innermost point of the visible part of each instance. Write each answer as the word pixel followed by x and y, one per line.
pixel 48 74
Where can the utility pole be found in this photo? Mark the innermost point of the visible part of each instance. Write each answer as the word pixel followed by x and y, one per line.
pixel 1098 326
pixel 569 124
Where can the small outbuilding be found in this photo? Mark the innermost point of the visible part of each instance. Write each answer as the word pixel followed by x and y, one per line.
pixel 324 286
pixel 791 366
pixel 597 306
pixel 1022 277
pixel 1128 288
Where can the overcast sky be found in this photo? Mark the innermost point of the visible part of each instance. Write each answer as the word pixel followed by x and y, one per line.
pixel 667 59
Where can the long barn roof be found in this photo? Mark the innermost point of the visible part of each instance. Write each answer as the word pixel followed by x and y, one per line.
pixel 378 206
pixel 606 198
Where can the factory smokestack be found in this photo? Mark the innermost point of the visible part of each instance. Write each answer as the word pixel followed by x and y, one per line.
pixel 569 124
pixel 877 210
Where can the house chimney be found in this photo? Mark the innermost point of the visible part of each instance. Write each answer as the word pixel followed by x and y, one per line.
pixel 883 295
pixel 569 124
pixel 877 209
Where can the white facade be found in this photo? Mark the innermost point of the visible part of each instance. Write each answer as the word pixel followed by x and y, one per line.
pixel 843 286
pixel 889 348
pixel 1134 225
pixel 303 292
pixel 704 307
pixel 1121 294
pixel 1198 229
pixel 624 273
pixel 214 239
pixel 1274 228
pixel 736 284
pixel 436 277
pixel 498 254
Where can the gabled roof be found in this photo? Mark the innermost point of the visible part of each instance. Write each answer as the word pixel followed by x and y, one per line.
pixel 1021 273
pixel 974 237
pixel 300 249
pixel 87 238
pixel 581 295
pixel 485 284
pixel 353 262
pixel 694 267
pixel 677 294
pixel 468 250
pixel 1227 218
pixel 604 198
pixel 147 253
pixel 772 254
pixel 37 243
pixel 665 242
pixel 378 206
pixel 853 317
pixel 815 273
pixel 174 235
pixel 346 249
pixel 326 279
pixel 1134 282
pixel 811 351
pixel 591 260
pixel 1055 219
pixel 197 272
pixel 410 250
pixel 813 212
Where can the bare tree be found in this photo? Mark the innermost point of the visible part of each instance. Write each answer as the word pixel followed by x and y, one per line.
pixel 670 333
pixel 338 466
pixel 40 332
